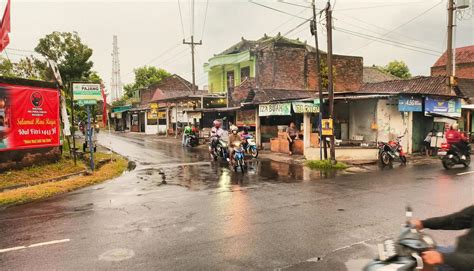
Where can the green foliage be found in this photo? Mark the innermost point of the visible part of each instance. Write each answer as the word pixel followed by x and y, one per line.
pixel 144 77
pixel 398 69
pixel 325 165
pixel 325 74
pixel 6 67
pixel 68 51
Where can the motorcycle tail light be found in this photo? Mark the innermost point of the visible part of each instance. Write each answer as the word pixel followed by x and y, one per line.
pixel 445 146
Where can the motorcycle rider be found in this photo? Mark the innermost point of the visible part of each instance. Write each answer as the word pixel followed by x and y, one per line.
pixel 234 138
pixel 458 140
pixel 462 259
pixel 188 131
pixel 244 133
pixel 216 133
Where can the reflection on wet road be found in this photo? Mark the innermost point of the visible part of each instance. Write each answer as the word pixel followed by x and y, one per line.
pixel 179 211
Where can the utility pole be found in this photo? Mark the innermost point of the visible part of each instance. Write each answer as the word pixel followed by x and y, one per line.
pixel 330 76
pixel 116 82
pixel 449 50
pixel 314 32
pixel 192 43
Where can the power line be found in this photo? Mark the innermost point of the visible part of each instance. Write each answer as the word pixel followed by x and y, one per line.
pixel 293 4
pixel 400 26
pixel 205 17
pixel 371 7
pixel 181 17
pixel 287 21
pixel 277 10
pixel 389 42
pixel 174 46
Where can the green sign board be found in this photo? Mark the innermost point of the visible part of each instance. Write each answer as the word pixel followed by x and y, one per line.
pixel 86 91
pixel 86 102
pixel 316 101
pixel 280 109
pixel 300 107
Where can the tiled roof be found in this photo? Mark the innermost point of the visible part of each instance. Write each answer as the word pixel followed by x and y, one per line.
pixel 257 96
pixel 375 75
pixel 463 55
pixel 466 87
pixel 431 85
pixel 245 45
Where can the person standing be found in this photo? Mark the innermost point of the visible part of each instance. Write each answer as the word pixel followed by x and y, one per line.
pixel 292 134
pixel 427 142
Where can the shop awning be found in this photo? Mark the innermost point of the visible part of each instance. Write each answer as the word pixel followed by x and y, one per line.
pixel 468 106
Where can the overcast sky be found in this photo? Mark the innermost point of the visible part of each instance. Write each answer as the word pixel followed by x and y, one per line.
pixel 150 32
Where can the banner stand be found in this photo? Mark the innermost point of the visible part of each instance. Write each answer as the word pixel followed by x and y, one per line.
pixel 89 136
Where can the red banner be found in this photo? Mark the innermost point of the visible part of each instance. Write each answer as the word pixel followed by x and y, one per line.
pixel 29 117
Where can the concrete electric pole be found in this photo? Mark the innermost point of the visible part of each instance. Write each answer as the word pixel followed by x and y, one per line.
pixel 330 76
pixel 192 43
pixel 116 83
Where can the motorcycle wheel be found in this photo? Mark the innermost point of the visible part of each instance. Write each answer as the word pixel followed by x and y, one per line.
pixel 385 159
pixel 403 159
pixel 254 152
pixel 447 163
pixel 467 162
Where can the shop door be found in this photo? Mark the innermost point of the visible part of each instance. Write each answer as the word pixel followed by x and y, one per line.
pixel 422 125
pixel 142 122
pixel 135 124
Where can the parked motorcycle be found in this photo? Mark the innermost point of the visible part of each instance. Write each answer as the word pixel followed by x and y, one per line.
pixel 191 140
pixel 250 145
pixel 219 151
pixel 239 157
pixel 403 254
pixel 450 156
pixel 391 151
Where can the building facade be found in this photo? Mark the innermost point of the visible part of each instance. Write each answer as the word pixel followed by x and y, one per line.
pixel 464 63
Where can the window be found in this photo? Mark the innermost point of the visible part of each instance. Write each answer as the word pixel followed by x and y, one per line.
pixel 244 73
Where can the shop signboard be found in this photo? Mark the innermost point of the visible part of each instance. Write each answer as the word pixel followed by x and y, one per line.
pixel 161 115
pixel 153 114
pixel 300 107
pixel 245 118
pixel 29 117
pixel 327 127
pixel 86 91
pixel 445 107
pixel 280 109
pixel 410 104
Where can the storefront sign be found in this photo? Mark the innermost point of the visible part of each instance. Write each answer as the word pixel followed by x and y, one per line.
pixel 162 115
pixel 410 104
pixel 86 102
pixel 451 107
pixel 29 117
pixel 153 114
pixel 193 115
pixel 245 118
pixel 300 107
pixel 281 109
pixel 86 91
pixel 327 128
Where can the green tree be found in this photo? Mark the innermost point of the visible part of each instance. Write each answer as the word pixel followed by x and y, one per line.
pixel 68 51
pixel 6 67
pixel 144 77
pixel 398 69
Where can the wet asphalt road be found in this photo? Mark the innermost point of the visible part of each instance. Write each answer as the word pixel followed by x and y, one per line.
pixel 207 217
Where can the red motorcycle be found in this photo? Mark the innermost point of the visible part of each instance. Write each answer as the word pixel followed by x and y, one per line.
pixel 391 151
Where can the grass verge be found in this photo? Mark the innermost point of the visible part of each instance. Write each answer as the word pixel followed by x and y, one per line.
pixel 41 191
pixel 325 165
pixel 38 173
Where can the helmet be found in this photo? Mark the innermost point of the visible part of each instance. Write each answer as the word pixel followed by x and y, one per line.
pixel 187 129
pixel 217 123
pixel 455 126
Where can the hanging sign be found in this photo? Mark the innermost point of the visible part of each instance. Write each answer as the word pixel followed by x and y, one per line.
pixel 410 104
pixel 300 107
pixel 326 126
pixel 153 114
pixel 281 109
pixel 86 91
pixel 446 107
pixel 29 117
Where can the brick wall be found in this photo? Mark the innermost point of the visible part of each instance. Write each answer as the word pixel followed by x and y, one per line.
pixel 24 158
pixel 465 70
pixel 295 68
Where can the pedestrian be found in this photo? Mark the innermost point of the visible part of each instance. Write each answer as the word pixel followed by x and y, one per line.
pixel 292 134
pixel 427 142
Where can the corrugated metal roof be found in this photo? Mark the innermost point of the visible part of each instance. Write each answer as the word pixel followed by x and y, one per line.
pixel 429 85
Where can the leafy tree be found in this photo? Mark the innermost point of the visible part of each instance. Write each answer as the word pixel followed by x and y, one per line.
pixel 398 69
pixel 71 55
pixel 6 67
pixel 144 77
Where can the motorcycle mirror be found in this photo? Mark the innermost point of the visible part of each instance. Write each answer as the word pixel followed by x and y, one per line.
pixel 408 213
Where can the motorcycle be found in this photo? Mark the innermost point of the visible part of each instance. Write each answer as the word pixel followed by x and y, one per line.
pixel 239 157
pixel 450 156
pixel 250 146
pixel 220 150
pixel 388 152
pixel 191 140
pixel 403 254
